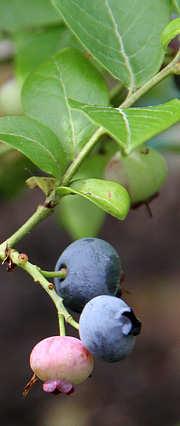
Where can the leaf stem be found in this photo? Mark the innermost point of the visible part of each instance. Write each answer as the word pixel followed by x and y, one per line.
pixel 73 168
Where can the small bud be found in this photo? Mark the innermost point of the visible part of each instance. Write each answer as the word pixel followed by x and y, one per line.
pixel 22 258
pixel 51 287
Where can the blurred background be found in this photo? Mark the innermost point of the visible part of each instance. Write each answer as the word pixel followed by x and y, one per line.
pixel 142 390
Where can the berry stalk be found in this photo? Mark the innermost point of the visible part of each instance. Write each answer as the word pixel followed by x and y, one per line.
pixel 12 258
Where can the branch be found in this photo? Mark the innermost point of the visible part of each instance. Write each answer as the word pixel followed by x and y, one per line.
pixel 14 258
pixel 41 213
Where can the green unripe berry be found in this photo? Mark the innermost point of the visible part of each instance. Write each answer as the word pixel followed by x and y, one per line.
pixel 143 172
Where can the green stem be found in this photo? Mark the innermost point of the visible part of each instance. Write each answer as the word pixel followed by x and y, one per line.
pixel 73 168
pixel 41 213
pixel 35 272
pixel 52 274
pixel 61 325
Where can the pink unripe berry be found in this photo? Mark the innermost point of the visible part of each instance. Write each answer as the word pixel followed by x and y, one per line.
pixel 61 362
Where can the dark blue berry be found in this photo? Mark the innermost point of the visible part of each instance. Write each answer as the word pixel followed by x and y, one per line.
pixel 108 327
pixel 93 268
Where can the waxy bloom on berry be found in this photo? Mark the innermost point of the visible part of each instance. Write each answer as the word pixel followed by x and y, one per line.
pixel 61 362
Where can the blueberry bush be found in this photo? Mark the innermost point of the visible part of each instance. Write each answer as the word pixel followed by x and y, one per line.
pixel 76 112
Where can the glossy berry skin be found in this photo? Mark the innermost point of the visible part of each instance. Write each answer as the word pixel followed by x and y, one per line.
pixel 93 268
pixel 61 362
pixel 108 327
pixel 143 172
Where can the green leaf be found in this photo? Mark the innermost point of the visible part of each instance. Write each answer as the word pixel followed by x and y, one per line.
pixel 171 31
pixel 124 36
pixel 44 96
pixel 36 141
pixel 109 196
pixel 131 127
pixel 40 45
pixel 16 14
pixel 79 217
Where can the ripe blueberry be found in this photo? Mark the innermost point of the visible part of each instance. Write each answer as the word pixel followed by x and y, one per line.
pixel 93 268
pixel 108 327
pixel 61 362
pixel 143 172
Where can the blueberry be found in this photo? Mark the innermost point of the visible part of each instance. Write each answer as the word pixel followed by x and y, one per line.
pixel 108 327
pixel 93 268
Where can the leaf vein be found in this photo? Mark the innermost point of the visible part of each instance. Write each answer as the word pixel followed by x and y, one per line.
pixel 127 126
pixel 121 46
pixel 68 108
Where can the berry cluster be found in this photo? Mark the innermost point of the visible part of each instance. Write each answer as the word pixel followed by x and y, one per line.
pixel 107 325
